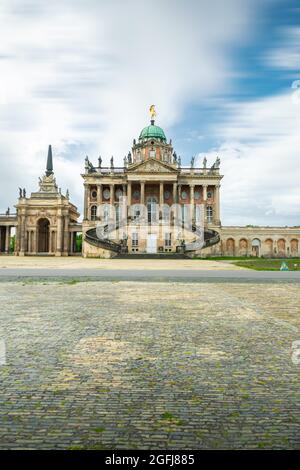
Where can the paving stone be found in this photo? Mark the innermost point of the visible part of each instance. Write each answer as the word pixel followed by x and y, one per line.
pixel 156 365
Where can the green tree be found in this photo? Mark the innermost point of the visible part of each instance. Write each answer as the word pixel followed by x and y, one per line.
pixel 12 244
pixel 78 242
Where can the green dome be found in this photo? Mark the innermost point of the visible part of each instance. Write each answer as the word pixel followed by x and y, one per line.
pixel 153 132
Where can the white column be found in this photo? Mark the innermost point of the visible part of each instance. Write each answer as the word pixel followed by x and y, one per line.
pixel 7 239
pixel 161 193
pixel 174 193
pixel 112 194
pixel 66 234
pixel 217 204
pixel 86 201
pixel 192 200
pixel 99 194
pixel 22 234
pixel 142 192
pixel 72 242
pixel 34 247
pixel 205 201
pixel 129 193
pixel 59 235
pixel 50 240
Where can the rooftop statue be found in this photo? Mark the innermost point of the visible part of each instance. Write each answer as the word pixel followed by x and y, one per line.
pixel 88 166
pixel 87 163
pixel 152 111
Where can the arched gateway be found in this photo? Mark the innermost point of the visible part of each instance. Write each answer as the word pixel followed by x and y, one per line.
pixel 43 230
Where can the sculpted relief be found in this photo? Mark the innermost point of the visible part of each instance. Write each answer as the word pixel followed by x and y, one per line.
pixel 152 166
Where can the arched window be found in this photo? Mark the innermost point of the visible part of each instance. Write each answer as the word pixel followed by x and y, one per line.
pixel 94 213
pixel 243 247
pixel 230 246
pixel 281 246
pixel 255 247
pixel 209 214
pixel 294 247
pixel 269 246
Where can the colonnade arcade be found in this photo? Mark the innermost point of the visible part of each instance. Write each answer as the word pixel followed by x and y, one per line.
pixel 8 223
pixel 5 237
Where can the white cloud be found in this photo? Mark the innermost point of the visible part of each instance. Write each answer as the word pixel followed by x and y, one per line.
pixel 261 163
pixel 81 75
pixel 287 55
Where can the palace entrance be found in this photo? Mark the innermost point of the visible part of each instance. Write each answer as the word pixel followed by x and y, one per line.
pixel 152 243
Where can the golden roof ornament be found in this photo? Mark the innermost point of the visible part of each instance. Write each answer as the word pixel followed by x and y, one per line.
pixel 152 112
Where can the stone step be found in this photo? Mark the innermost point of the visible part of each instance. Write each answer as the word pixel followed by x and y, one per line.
pixel 152 256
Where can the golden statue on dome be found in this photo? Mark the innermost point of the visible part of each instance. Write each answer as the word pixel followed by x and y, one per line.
pixel 152 111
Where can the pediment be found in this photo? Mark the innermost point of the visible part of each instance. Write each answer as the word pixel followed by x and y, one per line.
pixel 152 166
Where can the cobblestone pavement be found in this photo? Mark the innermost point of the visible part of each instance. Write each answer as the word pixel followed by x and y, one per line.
pixel 79 263
pixel 101 365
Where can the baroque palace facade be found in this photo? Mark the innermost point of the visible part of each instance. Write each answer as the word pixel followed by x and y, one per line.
pixel 138 208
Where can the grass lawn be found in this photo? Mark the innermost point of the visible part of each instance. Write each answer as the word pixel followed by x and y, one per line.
pixel 221 258
pixel 261 264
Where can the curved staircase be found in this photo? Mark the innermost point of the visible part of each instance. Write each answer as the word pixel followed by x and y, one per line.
pixel 211 237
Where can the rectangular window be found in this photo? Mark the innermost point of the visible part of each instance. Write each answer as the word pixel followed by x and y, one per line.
pixel 209 214
pixel 168 239
pixel 152 153
pixel 135 239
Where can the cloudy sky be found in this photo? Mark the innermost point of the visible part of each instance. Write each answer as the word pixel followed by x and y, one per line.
pixel 81 74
